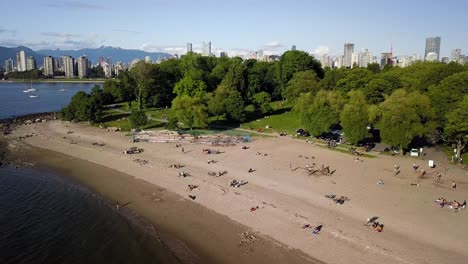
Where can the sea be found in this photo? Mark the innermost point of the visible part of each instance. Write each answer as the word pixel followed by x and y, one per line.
pixel 45 217
pixel 50 97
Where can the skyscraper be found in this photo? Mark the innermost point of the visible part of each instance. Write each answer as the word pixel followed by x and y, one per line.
pixel 49 66
pixel 9 66
pixel 432 45
pixel 189 47
pixel 30 63
pixel 365 58
pixel 456 55
pixel 386 59
pixel 348 51
pixel 23 60
pixel 68 66
pixel 206 48
pixel 82 65
pixel 293 47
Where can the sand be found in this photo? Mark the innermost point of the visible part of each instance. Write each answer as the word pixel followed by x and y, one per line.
pixel 416 229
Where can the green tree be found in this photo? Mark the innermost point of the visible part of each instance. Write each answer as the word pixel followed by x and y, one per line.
pixel 78 109
pixel 127 88
pixel 456 128
pixel 320 112
pixel 190 87
pixel 376 90
pixel 192 112
pixel 172 123
pixel 447 94
pixel 141 74
pixel 356 78
pixel 405 115
pixel 262 102
pixel 355 117
pixel 138 119
pixel 302 82
pixel 373 67
pixel 228 102
pixel 332 77
pixel 295 61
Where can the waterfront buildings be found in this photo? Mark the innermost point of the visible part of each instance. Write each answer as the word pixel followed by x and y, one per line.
pixel 189 47
pixel 30 63
pixel 68 66
pixel 49 66
pixel 9 65
pixel 82 66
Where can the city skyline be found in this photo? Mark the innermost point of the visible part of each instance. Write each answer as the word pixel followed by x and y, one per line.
pixel 236 28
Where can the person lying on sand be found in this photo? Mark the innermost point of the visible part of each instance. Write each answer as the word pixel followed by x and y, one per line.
pixel 317 230
pixel 371 220
pixel 306 226
pixel 251 170
pixel 380 182
pixel 253 208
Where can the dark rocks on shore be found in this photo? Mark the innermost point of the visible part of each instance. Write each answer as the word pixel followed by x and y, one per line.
pixel 8 124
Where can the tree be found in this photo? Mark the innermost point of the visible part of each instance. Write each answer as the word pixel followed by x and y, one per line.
pixel 78 109
pixel 192 112
pixel 355 117
pixel 138 119
pixel 227 101
pixel 190 87
pixel 172 123
pixel 405 115
pixel 262 102
pixel 456 128
pixel 320 112
pixel 302 82
pixel 332 77
pixel 96 104
pixel 127 88
pixel 445 96
pixel 356 78
pixel 295 61
pixel 373 67
pixel 141 74
pixel 376 90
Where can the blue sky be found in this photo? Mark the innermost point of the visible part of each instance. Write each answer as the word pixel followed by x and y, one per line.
pixel 236 26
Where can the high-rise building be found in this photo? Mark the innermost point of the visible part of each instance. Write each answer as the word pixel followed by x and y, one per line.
pixel 68 66
pixel 325 61
pixel 432 56
pixel 348 51
pixel 9 65
pixel 386 59
pixel 82 66
pixel 365 58
pixel 23 60
pixel 189 47
pixel 30 63
pixel 148 59
pixel 354 60
pixel 18 62
pixel 432 45
pixel 293 47
pixel 456 55
pixel 206 48
pixel 223 54
pixel 49 66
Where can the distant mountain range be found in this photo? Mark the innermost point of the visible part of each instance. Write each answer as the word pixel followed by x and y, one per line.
pixel 116 54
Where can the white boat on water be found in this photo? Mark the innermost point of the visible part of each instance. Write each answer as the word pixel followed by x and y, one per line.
pixel 31 89
pixel 62 90
pixel 33 95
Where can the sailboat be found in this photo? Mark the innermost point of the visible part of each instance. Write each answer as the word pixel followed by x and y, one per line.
pixel 62 90
pixel 33 95
pixel 30 89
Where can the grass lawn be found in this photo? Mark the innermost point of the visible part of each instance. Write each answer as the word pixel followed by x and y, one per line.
pixel 120 120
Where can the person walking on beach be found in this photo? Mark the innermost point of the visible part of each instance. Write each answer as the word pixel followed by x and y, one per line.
pixel 454 185
pixel 183 150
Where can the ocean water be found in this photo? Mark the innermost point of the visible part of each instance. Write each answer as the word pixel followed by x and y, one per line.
pixel 45 218
pixel 14 102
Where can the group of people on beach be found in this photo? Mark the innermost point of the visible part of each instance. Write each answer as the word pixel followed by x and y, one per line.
pixel 442 202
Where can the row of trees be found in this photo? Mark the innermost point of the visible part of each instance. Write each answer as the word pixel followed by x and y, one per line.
pixel 420 101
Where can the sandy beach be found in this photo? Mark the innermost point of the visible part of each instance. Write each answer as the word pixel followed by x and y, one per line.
pixel 416 229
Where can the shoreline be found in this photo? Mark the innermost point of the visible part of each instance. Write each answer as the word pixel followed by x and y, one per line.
pixel 288 199
pixel 174 219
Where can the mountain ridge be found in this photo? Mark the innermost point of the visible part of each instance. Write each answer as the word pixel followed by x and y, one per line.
pixel 115 53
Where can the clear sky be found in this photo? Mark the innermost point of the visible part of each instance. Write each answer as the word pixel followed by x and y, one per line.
pixel 236 26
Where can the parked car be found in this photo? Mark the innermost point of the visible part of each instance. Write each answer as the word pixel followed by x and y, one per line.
pixel 414 153
pixel 302 133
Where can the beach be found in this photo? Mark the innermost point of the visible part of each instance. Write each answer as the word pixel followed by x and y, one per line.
pixel 284 196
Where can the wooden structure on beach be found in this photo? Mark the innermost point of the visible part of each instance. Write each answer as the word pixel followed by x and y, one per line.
pixel 166 136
